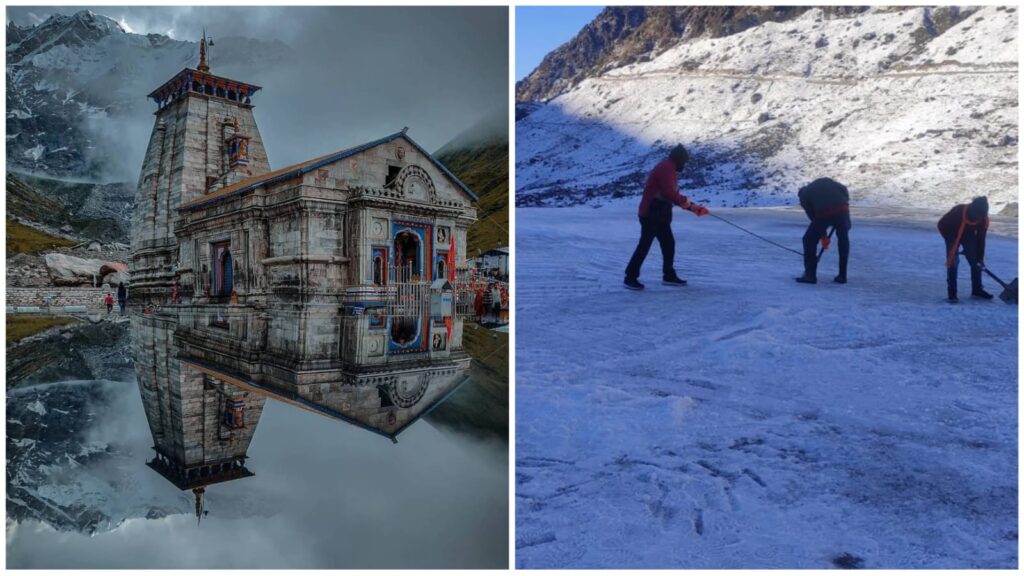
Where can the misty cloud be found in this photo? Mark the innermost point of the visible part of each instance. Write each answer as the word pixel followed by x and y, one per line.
pixel 352 74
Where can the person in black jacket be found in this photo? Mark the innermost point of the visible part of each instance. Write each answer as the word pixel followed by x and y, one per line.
pixel 122 296
pixel 965 227
pixel 827 203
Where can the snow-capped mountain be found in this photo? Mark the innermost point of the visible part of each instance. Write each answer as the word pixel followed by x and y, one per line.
pixel 77 114
pixel 907 106
pixel 77 85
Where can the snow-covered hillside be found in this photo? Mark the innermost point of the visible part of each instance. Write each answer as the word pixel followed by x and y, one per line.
pixel 76 86
pixel 902 112
pixel 747 421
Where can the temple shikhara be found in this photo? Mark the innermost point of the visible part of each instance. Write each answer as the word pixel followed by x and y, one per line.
pixel 214 223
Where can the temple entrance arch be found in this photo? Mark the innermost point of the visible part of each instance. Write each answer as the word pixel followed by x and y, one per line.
pixel 408 261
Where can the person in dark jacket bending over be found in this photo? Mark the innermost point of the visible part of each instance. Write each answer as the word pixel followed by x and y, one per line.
pixel 661 192
pixel 827 203
pixel 966 225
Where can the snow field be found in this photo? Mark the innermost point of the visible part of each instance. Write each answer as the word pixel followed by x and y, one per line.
pixel 746 421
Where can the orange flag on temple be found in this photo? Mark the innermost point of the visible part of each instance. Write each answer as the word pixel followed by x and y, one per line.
pixel 451 278
pixel 451 259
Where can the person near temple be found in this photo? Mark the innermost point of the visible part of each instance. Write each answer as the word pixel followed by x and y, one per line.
pixel 122 296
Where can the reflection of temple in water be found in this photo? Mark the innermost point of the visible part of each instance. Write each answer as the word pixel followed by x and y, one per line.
pixel 205 374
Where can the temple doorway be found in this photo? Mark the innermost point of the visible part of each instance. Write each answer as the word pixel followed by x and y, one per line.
pixel 408 264
pixel 223 269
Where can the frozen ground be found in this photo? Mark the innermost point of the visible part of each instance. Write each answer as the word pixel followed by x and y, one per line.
pixel 746 421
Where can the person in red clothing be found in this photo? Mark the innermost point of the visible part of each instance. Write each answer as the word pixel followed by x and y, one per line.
pixel 109 301
pixel 661 192
pixel 966 226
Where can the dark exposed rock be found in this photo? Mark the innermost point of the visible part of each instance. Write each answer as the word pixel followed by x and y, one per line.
pixel 625 35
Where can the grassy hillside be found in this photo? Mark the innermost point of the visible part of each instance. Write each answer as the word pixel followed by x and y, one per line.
pixel 28 203
pixel 98 211
pixel 25 240
pixel 24 325
pixel 483 405
pixel 484 168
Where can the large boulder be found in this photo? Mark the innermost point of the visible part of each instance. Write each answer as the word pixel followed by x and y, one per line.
pixel 67 270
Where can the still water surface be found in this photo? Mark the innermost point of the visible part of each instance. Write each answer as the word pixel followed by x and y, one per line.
pixel 290 439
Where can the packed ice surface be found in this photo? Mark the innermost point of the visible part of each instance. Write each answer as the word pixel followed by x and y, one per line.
pixel 747 421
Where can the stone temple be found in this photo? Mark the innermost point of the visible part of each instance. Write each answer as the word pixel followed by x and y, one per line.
pixel 215 224
pixel 206 372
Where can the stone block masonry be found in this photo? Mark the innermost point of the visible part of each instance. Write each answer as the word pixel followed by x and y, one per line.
pixel 92 298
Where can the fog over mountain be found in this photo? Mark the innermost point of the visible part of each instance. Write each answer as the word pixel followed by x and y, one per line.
pixel 331 77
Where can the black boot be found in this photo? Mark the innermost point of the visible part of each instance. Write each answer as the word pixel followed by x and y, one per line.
pixel 672 280
pixel 807 279
pixel 841 279
pixel 980 293
pixel 951 296
pixel 632 284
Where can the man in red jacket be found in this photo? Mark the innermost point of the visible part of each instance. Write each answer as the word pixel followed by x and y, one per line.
pixel 966 226
pixel 661 192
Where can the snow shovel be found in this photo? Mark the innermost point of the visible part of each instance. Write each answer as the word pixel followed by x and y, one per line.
pixel 1009 294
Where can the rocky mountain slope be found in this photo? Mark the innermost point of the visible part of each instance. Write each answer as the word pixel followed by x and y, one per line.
pixel 77 115
pixel 625 35
pixel 76 87
pixel 479 157
pixel 908 106
pixel 74 209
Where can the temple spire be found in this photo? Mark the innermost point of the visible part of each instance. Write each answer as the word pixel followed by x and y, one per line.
pixel 203 66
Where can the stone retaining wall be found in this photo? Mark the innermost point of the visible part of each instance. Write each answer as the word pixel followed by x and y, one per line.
pixel 90 297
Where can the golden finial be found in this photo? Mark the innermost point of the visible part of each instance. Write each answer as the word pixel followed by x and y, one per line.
pixel 203 66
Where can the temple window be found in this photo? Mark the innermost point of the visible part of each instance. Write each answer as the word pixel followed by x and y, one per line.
pixel 234 414
pixel 238 150
pixel 378 270
pixel 222 277
pixel 392 175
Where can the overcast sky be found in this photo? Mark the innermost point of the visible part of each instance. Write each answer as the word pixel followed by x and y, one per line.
pixel 360 73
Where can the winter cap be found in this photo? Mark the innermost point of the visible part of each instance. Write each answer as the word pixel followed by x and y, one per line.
pixel 978 208
pixel 679 154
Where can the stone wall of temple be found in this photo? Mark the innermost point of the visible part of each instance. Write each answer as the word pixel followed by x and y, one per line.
pixel 184 406
pixel 187 153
